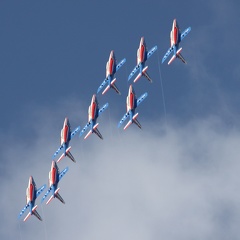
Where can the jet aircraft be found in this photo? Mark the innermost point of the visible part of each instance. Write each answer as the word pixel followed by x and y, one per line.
pixel 142 56
pixel 31 195
pixel 111 69
pixel 54 177
pixel 93 113
pixel 66 136
pixel 132 104
pixel 175 38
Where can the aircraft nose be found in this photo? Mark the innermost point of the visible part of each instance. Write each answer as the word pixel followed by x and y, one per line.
pixel 174 22
pixel 30 179
pixel 130 89
pixel 53 164
pixel 65 120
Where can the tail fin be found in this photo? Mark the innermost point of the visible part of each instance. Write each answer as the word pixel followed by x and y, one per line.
pixel 35 213
pixel 57 195
pixel 182 58
pixel 145 74
pixel 63 155
pixel 69 155
pixel 176 55
pixel 96 131
pixel 136 121
pixel 114 86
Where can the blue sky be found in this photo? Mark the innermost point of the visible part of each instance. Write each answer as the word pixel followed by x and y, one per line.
pixel 53 57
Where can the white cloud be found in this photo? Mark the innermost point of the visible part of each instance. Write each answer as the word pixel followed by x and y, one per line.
pixel 175 182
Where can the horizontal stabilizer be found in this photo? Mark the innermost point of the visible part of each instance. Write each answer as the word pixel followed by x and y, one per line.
pixel 63 155
pixel 113 81
pixel 145 74
pixel 29 214
pixel 91 131
pixel 96 131
pixel 106 89
pixel 136 121
pixel 172 59
pixel 140 74
pixel 58 196
pixel 50 199
pixel 131 121
pixel 178 51
pixel 127 125
pixel 137 77
pixel 26 218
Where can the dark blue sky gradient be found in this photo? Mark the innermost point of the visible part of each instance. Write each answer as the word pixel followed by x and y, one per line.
pixel 53 56
pixel 53 51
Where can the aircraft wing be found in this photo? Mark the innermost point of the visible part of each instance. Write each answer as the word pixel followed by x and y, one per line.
pixel 75 131
pixel 140 99
pixel 120 64
pixel 40 190
pixel 102 85
pixel 56 153
pixel 185 33
pixel 133 72
pixel 149 54
pixel 62 173
pixel 123 119
pixel 85 128
pixel 23 210
pixel 102 109
pixel 167 54
pixel 46 194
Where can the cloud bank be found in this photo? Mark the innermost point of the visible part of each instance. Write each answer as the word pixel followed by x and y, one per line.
pixel 170 183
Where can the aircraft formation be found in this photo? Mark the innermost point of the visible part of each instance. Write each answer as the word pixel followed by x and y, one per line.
pixel 132 102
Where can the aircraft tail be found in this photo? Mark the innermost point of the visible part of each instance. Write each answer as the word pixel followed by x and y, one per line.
pixel 133 120
pixel 34 212
pixel 177 55
pixel 106 89
pixel 66 153
pixel 182 58
pixel 96 131
pixel 70 156
pixel 146 75
pixel 137 123
pixel 114 86
pixel 141 73
pixel 58 196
